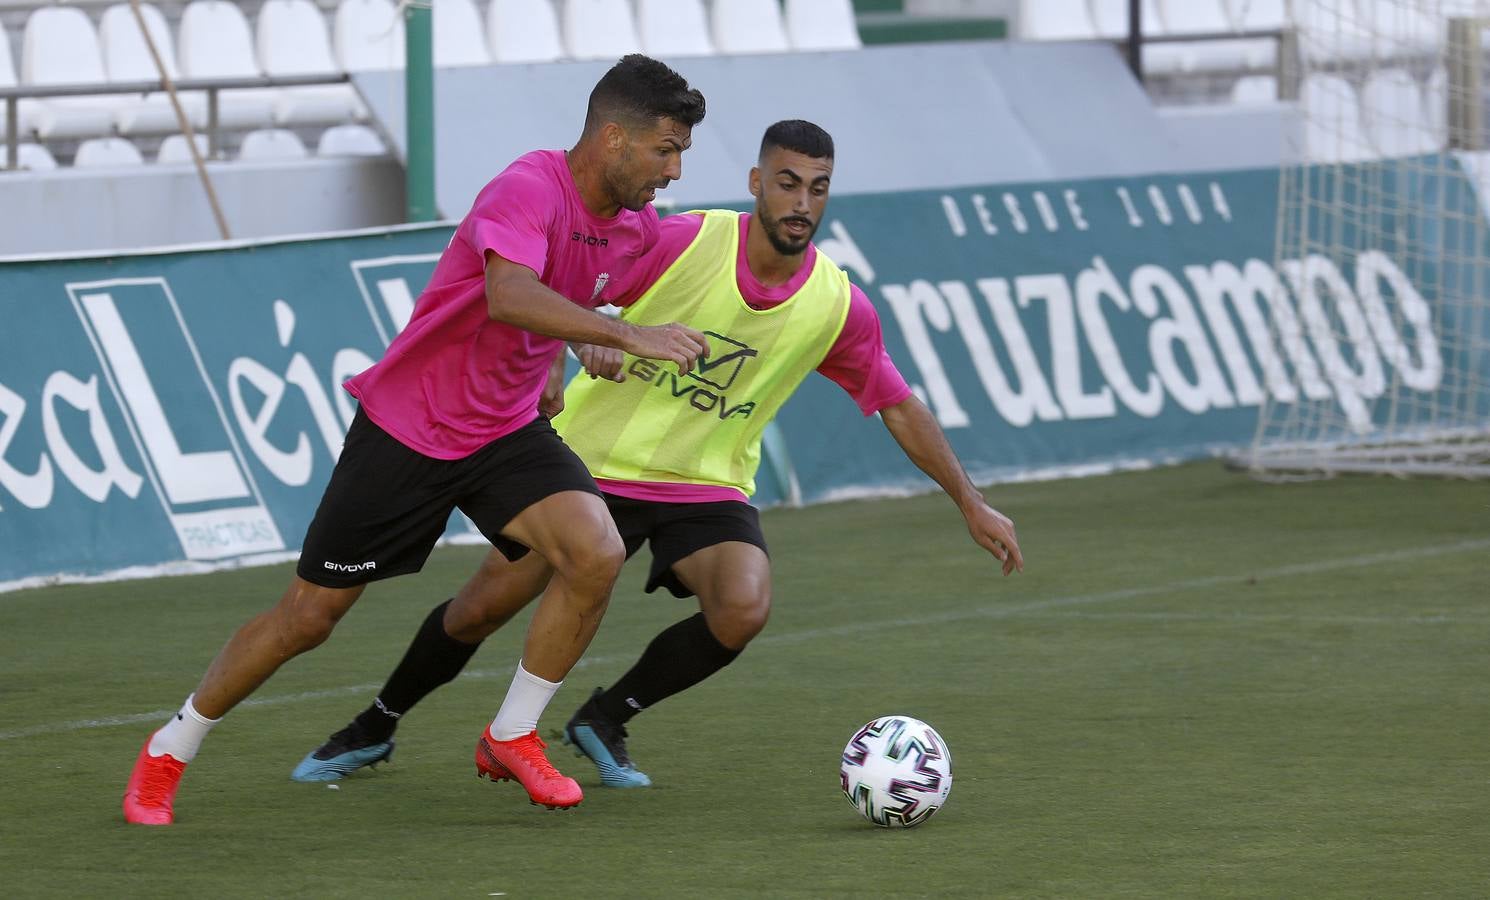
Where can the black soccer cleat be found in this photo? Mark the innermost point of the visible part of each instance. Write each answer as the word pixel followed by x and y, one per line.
pixel 343 753
pixel 604 743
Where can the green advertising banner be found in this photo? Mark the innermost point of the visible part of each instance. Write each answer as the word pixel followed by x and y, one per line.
pixel 184 409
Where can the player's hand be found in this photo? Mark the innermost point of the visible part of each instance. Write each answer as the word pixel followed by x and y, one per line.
pixel 994 532
pixel 551 401
pixel 601 362
pixel 672 342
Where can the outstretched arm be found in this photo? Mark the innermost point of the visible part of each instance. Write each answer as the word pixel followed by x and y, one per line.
pixel 916 431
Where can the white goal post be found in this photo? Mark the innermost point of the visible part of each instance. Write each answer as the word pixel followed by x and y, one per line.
pixel 1382 359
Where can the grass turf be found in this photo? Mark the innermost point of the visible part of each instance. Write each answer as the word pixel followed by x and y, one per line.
pixel 1201 686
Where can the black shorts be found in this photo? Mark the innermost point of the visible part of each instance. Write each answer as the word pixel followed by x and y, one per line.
pixel 387 505
pixel 677 530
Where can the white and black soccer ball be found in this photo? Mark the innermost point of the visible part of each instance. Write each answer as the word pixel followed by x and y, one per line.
pixel 897 771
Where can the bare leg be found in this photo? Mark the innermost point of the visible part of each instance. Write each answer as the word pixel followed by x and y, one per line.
pixel 498 591
pixel 733 584
pixel 301 620
pixel 574 532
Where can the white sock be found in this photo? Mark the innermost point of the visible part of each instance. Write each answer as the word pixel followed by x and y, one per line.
pixel 526 700
pixel 182 736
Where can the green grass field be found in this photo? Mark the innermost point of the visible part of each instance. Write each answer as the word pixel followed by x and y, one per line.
pixel 1202 686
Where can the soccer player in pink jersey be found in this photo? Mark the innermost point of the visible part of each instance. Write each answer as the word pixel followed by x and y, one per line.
pixel 450 418
pixel 660 445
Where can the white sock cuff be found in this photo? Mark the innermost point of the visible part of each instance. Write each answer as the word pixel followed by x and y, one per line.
pixel 190 709
pixel 524 674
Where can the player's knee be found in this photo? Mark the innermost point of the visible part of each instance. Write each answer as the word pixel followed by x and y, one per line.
pixel 740 618
pixel 307 616
pixel 305 627
pixel 594 564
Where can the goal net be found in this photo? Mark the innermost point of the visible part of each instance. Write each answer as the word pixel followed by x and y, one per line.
pixel 1381 354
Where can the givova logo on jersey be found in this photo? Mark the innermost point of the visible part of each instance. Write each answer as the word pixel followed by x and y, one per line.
pixel 719 370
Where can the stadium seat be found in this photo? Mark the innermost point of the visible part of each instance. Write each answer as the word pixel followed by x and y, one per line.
pixel 126 57
pixel 27 108
pixel 1436 105
pixel 215 42
pixel 523 31
pixel 106 152
pixel 460 39
pixel 269 144
pixel 1056 20
pixel 174 150
pixel 60 47
pixel 1258 15
pixel 350 140
pixel 1332 121
pixel 292 40
pixel 1254 89
pixel 1183 17
pixel 748 26
pixel 1397 124
pixel 34 158
pixel 1375 30
pixel 368 36
pixel 673 27
pixel 599 29
pixel 822 25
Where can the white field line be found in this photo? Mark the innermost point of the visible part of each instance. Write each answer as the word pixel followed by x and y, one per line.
pixel 1411 554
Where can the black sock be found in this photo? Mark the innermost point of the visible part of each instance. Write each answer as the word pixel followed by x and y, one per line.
pixel 433 659
pixel 677 659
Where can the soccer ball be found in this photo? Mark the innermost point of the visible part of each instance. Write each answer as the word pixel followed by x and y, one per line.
pixel 897 771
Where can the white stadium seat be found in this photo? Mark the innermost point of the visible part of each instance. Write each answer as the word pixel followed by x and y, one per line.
pixel 822 25
pixel 270 144
pixel 106 153
pixel 523 31
pixel 1254 89
pixel 60 47
pixel 350 140
pixel 748 26
pixel 1435 105
pixel 292 40
pixel 599 29
pixel 174 150
pixel 215 42
pixel 34 158
pixel 459 38
pixel 1332 124
pixel 673 27
pixel 1057 20
pixel 27 108
pixel 1202 17
pixel 368 36
pixel 1397 123
pixel 126 57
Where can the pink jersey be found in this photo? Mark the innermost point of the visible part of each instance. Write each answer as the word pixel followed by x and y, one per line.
pixel 857 361
pixel 454 380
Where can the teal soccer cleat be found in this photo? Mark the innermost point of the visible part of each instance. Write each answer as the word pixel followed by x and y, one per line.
pixel 343 753
pixel 604 743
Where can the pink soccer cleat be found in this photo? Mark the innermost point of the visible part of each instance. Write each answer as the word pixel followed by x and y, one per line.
pixel 522 760
pixel 152 788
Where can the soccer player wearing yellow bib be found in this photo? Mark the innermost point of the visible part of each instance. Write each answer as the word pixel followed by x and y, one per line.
pixel 675 455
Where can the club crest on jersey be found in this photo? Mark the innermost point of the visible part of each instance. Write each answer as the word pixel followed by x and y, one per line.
pixel 600 282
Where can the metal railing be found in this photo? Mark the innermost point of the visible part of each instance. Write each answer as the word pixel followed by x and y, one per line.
pixel 212 87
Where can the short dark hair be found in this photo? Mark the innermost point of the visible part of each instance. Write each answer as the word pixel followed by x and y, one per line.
pixel 639 90
pixel 799 136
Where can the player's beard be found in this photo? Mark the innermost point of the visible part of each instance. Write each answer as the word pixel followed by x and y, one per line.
pixel 784 245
